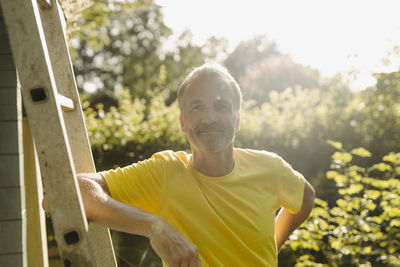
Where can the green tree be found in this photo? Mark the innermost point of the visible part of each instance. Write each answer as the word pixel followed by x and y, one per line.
pixel 179 61
pixel 376 118
pixel 118 45
pixel 260 68
pixel 122 45
pixel 216 49
pixel 249 53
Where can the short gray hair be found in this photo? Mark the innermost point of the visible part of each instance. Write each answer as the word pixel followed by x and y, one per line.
pixel 206 71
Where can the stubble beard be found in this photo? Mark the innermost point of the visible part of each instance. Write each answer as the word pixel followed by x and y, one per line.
pixel 214 143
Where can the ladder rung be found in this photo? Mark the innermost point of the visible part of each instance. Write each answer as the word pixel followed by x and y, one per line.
pixel 66 103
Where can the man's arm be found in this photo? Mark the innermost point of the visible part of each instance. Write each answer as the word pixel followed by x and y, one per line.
pixel 101 208
pixel 286 222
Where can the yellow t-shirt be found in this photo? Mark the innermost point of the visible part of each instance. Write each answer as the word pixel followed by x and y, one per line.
pixel 230 218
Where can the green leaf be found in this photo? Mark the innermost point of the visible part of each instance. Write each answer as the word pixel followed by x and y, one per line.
pixel 395 222
pixel 336 244
pixel 319 212
pixel 361 152
pixel 366 227
pixel 356 168
pixel 376 219
pixel 393 212
pixel 382 167
pixel 341 203
pixel 371 205
pixel 340 179
pixel 342 157
pixel 392 157
pixel 382 184
pixel 368 249
pixel 372 194
pixel 336 145
pixel 392 249
pixel 315 246
pixel 321 202
pixel 331 174
pixel 355 188
pixel 338 212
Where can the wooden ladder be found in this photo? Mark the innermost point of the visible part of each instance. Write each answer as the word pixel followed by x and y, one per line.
pixel 51 100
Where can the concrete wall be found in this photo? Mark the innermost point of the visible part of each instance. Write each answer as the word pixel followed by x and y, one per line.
pixel 12 193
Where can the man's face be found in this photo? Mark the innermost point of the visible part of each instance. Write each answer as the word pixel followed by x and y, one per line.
pixel 208 116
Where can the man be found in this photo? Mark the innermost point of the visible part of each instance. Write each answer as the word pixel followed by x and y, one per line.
pixel 213 207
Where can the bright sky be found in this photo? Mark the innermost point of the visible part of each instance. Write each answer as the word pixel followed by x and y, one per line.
pixel 329 35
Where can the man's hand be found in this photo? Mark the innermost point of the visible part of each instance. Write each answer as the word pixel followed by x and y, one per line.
pixel 175 249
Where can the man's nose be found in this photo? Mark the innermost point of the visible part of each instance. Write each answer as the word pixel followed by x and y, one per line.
pixel 210 115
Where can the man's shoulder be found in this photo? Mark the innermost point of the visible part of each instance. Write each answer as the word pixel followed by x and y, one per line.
pixel 258 158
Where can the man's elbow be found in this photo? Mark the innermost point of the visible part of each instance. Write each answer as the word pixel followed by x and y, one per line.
pixel 45 202
pixel 94 192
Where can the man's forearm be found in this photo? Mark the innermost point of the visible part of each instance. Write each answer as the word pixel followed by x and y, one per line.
pixel 174 248
pixel 168 243
pixel 101 208
pixel 286 222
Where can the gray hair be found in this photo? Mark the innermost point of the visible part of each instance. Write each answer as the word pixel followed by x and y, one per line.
pixel 208 71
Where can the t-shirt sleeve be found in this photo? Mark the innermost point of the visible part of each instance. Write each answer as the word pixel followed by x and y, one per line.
pixel 291 187
pixel 140 184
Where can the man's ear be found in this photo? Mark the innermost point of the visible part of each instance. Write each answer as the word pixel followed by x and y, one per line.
pixel 181 122
pixel 237 123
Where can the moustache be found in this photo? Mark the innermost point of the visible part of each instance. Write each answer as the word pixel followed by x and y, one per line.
pixel 209 127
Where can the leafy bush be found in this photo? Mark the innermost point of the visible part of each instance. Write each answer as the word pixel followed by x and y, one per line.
pixel 133 131
pixel 363 228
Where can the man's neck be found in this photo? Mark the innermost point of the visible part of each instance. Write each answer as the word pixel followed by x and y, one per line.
pixel 213 164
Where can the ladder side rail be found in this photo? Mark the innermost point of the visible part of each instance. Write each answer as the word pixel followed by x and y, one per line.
pixel 39 91
pixel 53 22
pixel 66 86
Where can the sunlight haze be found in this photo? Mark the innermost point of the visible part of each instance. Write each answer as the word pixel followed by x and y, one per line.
pixel 331 36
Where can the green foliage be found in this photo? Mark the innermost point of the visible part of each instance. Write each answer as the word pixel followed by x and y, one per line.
pixel 121 45
pixel 180 61
pixel 261 68
pixel 94 23
pixel 288 118
pixel 362 228
pixel 295 124
pixel 375 114
pixel 132 131
pixel 118 45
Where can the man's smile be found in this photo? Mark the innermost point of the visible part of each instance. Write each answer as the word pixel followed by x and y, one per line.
pixel 209 129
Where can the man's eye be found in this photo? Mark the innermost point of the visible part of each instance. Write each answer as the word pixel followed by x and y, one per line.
pixel 196 108
pixel 224 107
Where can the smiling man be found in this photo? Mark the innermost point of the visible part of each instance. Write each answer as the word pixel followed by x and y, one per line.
pixel 214 207
pixel 210 100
